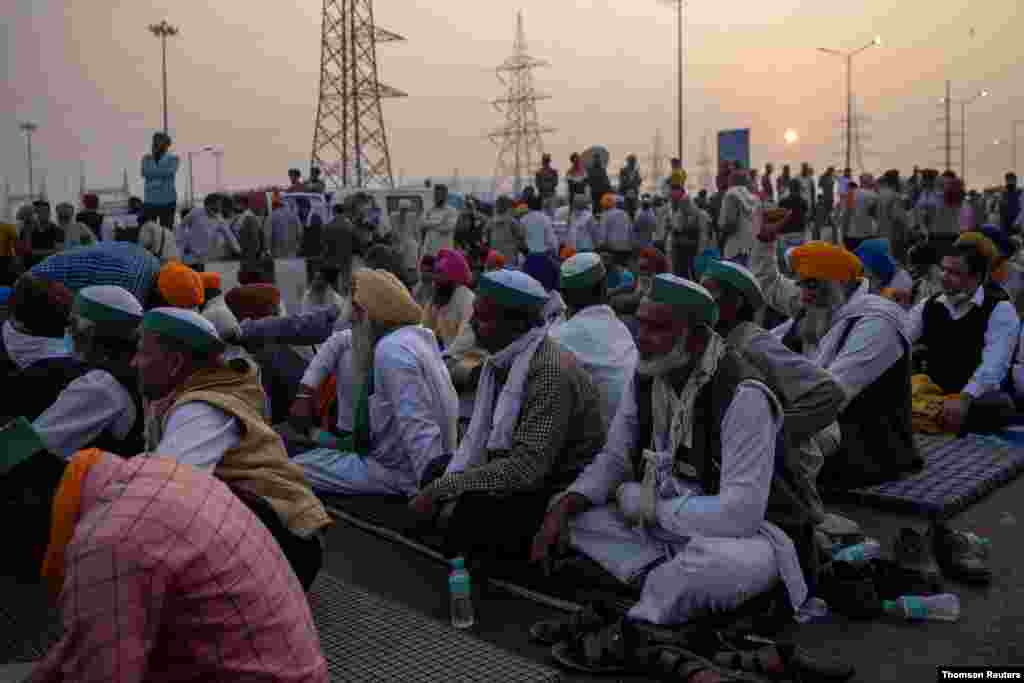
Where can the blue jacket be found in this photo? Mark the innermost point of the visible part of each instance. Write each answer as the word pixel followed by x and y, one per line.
pixel 159 177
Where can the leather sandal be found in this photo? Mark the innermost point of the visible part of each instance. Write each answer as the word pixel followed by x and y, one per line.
pixel 785 662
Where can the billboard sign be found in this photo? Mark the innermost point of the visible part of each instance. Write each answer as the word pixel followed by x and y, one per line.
pixel 734 145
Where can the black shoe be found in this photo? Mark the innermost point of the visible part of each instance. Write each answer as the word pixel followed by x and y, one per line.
pixel 960 557
pixel 913 554
pixel 849 589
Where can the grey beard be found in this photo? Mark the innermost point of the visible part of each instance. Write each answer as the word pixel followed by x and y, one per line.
pixel 816 324
pixel 675 359
pixel 363 344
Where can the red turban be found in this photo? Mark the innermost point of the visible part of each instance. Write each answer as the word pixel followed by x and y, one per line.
pixel 253 302
pixel 657 262
pixel 451 266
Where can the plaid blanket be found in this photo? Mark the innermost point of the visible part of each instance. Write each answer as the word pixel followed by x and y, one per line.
pixel 108 263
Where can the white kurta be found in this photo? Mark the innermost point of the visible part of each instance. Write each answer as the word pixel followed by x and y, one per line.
pixel 715 551
pixel 413 419
pixel 604 347
pixel 86 408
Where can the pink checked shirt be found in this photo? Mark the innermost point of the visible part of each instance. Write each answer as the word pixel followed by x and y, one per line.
pixel 170 577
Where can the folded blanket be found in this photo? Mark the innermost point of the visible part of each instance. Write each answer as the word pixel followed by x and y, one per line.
pixel 926 400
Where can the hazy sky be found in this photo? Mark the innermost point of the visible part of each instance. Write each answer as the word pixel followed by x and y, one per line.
pixel 244 75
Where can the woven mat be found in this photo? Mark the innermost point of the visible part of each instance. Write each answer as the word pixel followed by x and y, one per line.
pixel 367 638
pixel 363 637
pixel 957 473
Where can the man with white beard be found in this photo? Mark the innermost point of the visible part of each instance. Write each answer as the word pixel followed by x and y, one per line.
pixel 676 502
pixel 863 340
pixel 404 409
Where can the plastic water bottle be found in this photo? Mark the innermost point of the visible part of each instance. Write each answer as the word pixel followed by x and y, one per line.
pixel 870 549
pixel 460 589
pixel 980 544
pixel 944 607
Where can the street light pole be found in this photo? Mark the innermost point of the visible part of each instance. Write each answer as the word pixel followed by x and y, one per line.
pixel 28 128
pixel 191 175
pixel 1013 140
pixel 948 102
pixel 848 57
pixel 679 66
pixel 163 31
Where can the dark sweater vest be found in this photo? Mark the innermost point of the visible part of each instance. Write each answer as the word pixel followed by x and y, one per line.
pixel 955 346
pixel 785 508
pixel 877 437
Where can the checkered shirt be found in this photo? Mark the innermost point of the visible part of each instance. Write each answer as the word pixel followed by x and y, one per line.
pixel 170 577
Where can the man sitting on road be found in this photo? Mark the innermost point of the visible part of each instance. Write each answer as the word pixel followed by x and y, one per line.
pixel 969 333
pixel 207 413
pixel 536 424
pixel 404 407
pixel 676 501
pixel 600 341
pixel 162 573
pixel 862 340
pixel 810 398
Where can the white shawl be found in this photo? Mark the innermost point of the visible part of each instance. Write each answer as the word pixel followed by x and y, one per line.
pixel 492 425
pixel 26 349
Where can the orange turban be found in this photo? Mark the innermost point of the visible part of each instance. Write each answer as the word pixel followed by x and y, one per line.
pixel 181 286
pixel 984 245
pixel 386 300
pixel 826 261
pixel 608 201
pixel 211 280
pixel 566 253
pixel 495 260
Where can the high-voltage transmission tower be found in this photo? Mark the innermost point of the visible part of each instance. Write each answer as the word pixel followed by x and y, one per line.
pixel 657 162
pixel 519 141
pixel 350 142
pixel 707 178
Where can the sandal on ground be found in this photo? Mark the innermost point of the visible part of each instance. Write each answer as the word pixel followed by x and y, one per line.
pixel 598 652
pixel 786 662
pixel 677 664
pixel 553 631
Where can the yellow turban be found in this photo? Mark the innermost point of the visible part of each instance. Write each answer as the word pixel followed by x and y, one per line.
pixel 984 245
pixel 181 286
pixel 385 298
pixel 825 261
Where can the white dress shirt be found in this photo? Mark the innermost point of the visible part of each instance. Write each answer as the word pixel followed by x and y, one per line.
pixel 335 355
pixel 199 434
pixel 85 409
pixel 1000 336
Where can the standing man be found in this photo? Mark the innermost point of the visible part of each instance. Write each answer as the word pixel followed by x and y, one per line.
pixel 827 203
pixel 45 237
pixel 196 233
pixel 405 234
pixel 439 224
pixel 767 184
pixel 75 234
pixel 295 183
pixel 546 181
pixel 740 219
pixel 315 184
pixel 159 169
pixel 90 215
pixel 1010 206
pixel 629 185
pixel 338 246
pixel 865 212
pixel 600 185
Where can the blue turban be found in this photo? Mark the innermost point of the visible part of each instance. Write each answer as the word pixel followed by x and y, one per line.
pixel 876 257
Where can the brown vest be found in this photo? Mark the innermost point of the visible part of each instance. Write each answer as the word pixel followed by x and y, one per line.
pixel 259 464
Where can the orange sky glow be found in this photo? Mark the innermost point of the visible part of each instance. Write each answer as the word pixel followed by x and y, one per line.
pixel 244 76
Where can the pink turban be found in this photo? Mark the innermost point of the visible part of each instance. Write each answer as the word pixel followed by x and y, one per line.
pixel 451 266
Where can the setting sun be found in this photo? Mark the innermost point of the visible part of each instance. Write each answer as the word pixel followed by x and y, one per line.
pixel 791 136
